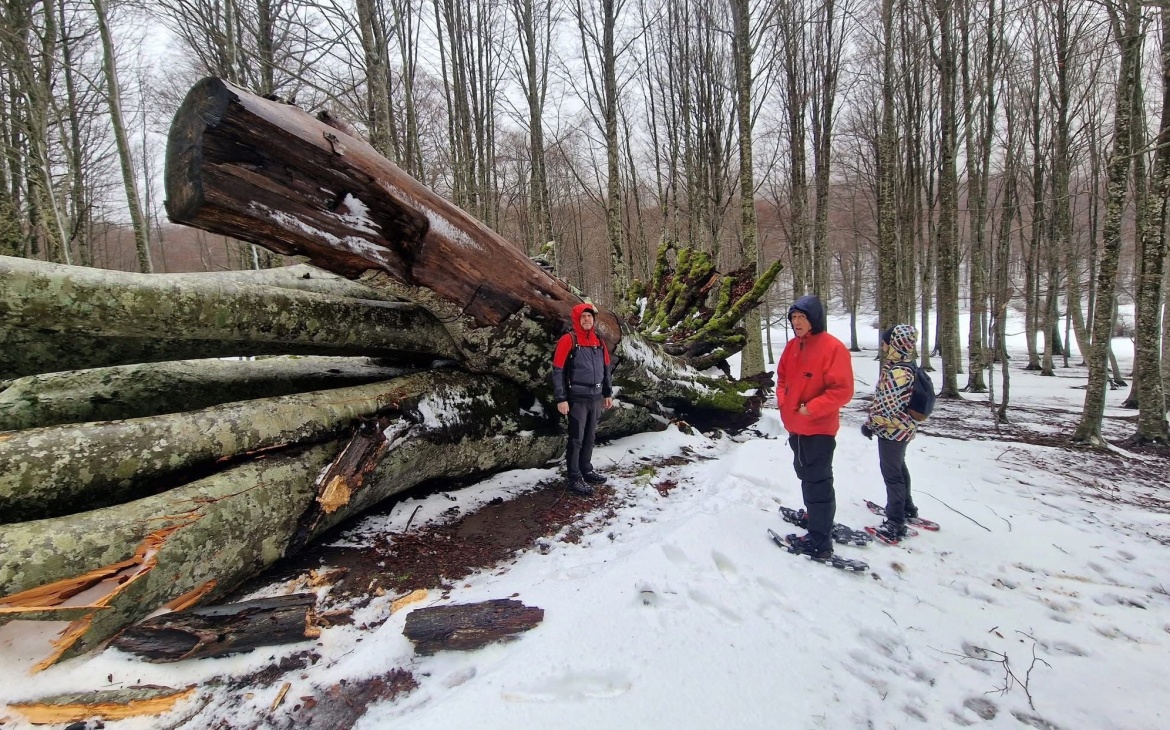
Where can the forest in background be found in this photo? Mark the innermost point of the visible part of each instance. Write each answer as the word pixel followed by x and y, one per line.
pixel 931 156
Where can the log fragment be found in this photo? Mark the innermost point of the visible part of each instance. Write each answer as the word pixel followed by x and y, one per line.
pixel 469 626
pixel 115 704
pixel 222 630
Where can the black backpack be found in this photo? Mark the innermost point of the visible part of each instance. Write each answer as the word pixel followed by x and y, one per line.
pixel 568 368
pixel 922 396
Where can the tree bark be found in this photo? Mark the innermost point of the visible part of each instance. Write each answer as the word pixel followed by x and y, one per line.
pixel 469 626
pixel 222 630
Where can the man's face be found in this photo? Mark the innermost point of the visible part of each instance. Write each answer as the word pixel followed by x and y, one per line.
pixel 800 324
pixel 587 321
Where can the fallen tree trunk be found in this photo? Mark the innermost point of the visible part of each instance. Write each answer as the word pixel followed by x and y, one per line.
pixel 271 174
pixel 221 630
pixel 46 472
pixel 39 300
pixel 469 626
pixel 105 569
pixel 151 389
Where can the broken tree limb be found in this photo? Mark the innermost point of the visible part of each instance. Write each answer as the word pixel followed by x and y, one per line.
pixel 121 563
pixel 46 472
pixel 272 174
pixel 113 704
pixel 151 389
pixel 221 630
pixel 40 299
pixel 469 626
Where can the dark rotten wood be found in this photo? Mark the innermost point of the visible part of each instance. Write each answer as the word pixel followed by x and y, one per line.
pixel 469 626
pixel 221 630
pixel 272 174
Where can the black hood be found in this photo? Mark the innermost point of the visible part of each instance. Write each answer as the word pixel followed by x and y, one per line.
pixel 813 309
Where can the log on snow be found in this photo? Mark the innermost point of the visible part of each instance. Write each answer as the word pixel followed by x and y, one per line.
pixel 469 626
pixel 151 389
pixel 38 299
pixel 114 566
pixel 221 630
pixel 272 174
pixel 46 472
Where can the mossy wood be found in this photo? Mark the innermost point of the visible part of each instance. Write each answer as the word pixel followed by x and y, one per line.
pixel 59 317
pixel 151 389
pixel 197 542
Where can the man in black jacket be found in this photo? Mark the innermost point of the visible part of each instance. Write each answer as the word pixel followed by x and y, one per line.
pixel 581 384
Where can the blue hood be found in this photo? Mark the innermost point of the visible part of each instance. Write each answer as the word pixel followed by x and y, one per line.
pixel 813 309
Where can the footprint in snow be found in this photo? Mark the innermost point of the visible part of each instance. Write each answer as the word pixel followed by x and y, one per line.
pixel 572 686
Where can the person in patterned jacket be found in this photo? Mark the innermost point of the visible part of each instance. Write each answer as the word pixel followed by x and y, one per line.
pixel 890 420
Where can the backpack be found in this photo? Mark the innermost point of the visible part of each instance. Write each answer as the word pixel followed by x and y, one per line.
pixel 568 368
pixel 922 396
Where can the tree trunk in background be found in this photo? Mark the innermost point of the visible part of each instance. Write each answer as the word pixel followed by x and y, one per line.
pixel 1129 40
pixel 1148 361
pixel 129 175
pixel 752 359
pixel 796 94
pixel 889 295
pixel 372 30
pixel 535 22
pixel 828 42
pixel 948 244
pixel 1032 314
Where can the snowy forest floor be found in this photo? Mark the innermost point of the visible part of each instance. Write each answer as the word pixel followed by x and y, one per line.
pixel 1042 602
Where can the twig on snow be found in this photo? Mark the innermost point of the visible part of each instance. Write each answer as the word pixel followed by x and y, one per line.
pixel 952 509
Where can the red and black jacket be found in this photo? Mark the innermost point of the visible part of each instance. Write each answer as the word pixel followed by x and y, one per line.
pixel 581 362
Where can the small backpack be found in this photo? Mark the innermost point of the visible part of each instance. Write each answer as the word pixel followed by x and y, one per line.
pixel 922 396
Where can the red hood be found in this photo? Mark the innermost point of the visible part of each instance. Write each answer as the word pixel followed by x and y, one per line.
pixel 583 337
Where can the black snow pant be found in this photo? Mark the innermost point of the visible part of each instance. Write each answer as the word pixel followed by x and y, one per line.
pixel 892 458
pixel 583 415
pixel 812 457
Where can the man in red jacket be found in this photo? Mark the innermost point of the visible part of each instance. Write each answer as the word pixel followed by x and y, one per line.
pixel 582 388
pixel 814 381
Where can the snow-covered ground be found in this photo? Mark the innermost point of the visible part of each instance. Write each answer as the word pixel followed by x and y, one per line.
pixel 1038 604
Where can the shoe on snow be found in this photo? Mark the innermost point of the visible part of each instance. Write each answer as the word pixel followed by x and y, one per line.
pixel 594 478
pixel 577 485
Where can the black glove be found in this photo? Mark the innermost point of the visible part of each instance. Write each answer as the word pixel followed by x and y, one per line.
pixel 866 431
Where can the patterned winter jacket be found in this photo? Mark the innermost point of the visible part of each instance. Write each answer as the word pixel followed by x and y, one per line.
pixel 888 415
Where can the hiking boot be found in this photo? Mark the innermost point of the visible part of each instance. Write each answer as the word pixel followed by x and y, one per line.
pixel 911 512
pixel 803 545
pixel 577 485
pixel 594 478
pixel 894 531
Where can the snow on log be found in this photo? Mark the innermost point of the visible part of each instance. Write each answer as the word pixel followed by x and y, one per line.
pixel 469 626
pixel 105 569
pixel 151 389
pixel 39 300
pixel 221 630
